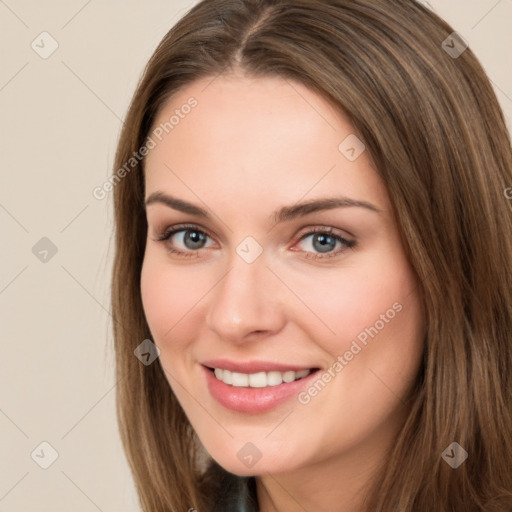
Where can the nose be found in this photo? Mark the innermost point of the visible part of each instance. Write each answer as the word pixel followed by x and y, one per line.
pixel 246 303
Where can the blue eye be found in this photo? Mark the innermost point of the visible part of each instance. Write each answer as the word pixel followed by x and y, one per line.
pixel 192 239
pixel 323 242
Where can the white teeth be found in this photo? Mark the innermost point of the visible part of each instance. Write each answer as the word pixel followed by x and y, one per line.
pixel 260 379
pixel 274 378
pixel 239 379
pixel 227 377
pixel 289 376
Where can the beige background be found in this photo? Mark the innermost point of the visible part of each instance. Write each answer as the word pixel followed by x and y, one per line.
pixel 60 120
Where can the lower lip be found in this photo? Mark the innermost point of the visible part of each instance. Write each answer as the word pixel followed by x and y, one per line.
pixel 253 400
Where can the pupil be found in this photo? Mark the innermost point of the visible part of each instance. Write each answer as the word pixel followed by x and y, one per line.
pixel 326 242
pixel 195 238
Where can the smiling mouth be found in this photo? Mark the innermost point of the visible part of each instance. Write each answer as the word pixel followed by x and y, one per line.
pixel 259 379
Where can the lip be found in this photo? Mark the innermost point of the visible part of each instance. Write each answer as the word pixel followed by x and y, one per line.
pixel 254 400
pixel 252 366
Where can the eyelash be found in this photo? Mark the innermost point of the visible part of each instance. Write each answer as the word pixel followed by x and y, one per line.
pixel 166 235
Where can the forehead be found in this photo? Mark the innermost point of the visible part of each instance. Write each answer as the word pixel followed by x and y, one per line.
pixel 266 137
pixel 252 110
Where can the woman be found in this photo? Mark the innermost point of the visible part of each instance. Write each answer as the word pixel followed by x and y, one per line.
pixel 312 230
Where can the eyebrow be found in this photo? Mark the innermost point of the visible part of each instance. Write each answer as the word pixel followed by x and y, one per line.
pixel 284 213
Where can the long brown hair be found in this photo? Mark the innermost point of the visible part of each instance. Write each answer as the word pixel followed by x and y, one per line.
pixel 432 126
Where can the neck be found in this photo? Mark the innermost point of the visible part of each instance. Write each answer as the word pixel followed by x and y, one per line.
pixel 339 483
pixel 313 489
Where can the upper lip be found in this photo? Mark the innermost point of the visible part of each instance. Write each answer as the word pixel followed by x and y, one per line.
pixel 253 366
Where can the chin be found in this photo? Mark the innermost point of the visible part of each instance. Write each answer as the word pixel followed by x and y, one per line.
pixel 248 460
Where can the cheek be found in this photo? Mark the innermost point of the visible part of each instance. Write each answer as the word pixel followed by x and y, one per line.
pixel 153 294
pixel 173 299
pixel 371 315
pixel 165 300
pixel 381 339
pixel 342 304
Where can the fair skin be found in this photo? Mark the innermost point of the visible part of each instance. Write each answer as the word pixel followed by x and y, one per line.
pixel 250 147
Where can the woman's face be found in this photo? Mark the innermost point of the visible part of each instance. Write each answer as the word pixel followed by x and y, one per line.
pixel 289 265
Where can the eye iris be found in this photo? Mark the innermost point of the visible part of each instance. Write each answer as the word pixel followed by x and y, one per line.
pixel 194 237
pixel 326 242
